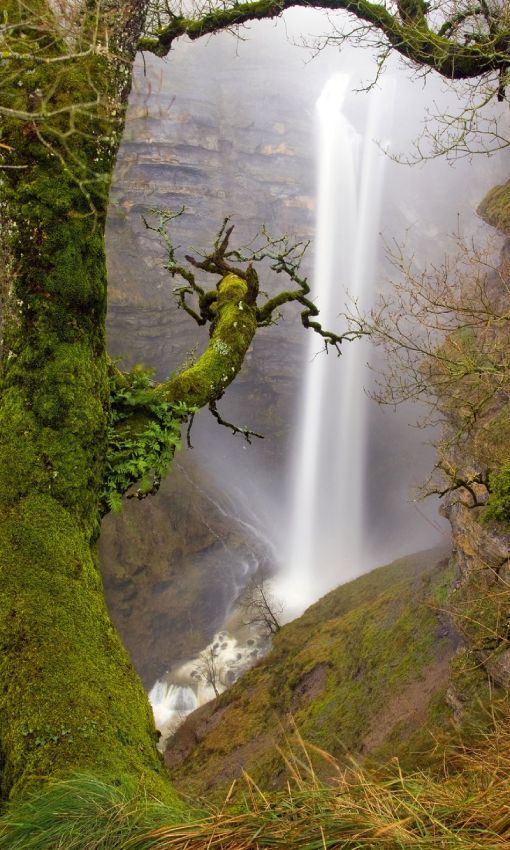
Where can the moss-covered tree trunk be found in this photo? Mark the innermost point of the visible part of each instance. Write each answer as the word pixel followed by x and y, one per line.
pixel 69 697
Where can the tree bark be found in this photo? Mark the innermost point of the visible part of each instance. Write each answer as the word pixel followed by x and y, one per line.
pixel 70 698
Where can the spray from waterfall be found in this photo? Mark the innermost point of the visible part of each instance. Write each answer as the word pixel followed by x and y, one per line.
pixel 328 538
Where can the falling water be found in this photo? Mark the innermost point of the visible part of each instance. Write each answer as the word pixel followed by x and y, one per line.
pixel 171 704
pixel 327 538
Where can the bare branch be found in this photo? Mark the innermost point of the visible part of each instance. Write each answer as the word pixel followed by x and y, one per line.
pixel 445 334
pixel 236 429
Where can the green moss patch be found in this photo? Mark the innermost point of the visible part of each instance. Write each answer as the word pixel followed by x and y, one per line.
pixel 71 700
pixel 495 208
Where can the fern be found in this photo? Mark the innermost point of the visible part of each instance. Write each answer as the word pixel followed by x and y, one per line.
pixel 142 456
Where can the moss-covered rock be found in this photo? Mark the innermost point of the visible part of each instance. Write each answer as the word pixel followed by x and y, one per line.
pixel 495 208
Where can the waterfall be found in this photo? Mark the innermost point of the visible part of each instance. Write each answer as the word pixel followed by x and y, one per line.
pixel 170 704
pixel 328 540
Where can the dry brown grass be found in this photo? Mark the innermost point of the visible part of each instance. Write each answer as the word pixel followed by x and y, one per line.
pixel 468 808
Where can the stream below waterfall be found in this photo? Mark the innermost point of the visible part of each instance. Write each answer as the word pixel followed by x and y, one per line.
pixel 237 646
pixel 188 686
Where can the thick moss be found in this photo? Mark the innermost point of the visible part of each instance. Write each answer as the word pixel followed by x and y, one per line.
pixel 69 698
pixel 495 208
pixel 498 505
pixel 71 701
pixel 231 334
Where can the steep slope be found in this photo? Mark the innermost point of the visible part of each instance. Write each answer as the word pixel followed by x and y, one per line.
pixel 364 667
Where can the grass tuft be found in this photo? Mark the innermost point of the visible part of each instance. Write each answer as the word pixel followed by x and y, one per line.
pixel 467 808
pixel 81 813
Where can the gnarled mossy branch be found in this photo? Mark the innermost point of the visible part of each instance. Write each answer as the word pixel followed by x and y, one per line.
pixel 280 254
pixel 409 32
pixel 147 416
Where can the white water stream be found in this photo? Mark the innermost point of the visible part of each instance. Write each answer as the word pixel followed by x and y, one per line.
pixel 199 680
pixel 235 648
pixel 328 538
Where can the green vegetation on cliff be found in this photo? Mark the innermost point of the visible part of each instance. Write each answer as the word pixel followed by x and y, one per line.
pixel 495 208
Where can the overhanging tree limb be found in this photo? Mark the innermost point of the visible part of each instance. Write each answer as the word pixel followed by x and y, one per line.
pixel 234 310
pixel 409 34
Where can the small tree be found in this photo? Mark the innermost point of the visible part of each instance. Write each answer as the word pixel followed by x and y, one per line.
pixel 209 670
pixel 260 607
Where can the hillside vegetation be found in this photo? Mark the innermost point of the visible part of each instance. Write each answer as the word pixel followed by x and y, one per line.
pixel 364 671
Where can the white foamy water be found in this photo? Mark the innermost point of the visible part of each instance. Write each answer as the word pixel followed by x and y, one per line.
pixel 199 680
pixel 171 704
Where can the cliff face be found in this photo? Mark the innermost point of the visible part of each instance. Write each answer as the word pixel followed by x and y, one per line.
pixel 173 566
pixel 480 597
pixel 479 602
pixel 495 208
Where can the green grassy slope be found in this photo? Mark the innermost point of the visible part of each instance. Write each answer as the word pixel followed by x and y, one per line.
pixel 363 671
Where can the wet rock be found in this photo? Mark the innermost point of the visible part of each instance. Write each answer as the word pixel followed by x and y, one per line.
pixel 169 567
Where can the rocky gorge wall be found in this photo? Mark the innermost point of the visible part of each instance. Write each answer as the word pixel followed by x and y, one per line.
pixel 480 596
